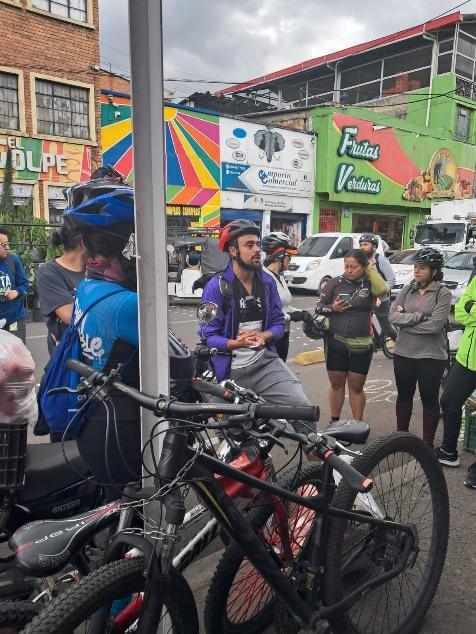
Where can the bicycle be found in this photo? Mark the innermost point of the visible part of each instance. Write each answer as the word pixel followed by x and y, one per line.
pixel 382 341
pixel 351 560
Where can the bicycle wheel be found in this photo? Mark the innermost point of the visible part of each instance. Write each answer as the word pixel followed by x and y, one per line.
pixel 239 600
pixel 387 346
pixel 409 488
pixel 14 615
pixel 120 582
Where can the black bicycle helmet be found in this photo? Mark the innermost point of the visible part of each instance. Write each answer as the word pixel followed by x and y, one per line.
pixel 181 360
pixel 431 257
pixel 314 326
pixel 275 241
pixel 101 202
pixel 369 237
pixel 234 230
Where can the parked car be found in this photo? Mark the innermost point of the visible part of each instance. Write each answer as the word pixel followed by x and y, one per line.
pixel 402 265
pixel 319 257
pixel 457 271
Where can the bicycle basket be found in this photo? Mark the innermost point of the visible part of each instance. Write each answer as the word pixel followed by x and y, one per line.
pixel 13 438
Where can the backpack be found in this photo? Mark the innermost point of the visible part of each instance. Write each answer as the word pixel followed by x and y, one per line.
pixel 63 411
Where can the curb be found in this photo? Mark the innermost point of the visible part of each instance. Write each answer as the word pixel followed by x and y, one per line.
pixel 309 357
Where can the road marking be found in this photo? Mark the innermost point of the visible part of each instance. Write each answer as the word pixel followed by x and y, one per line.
pixel 185 321
pixel 37 337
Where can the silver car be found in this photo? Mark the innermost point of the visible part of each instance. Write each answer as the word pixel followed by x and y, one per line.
pixel 457 271
pixel 403 267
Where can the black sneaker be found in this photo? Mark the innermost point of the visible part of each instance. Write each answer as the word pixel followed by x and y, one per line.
pixel 471 477
pixel 448 459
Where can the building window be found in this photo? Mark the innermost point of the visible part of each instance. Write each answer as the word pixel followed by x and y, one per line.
pixel 73 9
pixel 62 110
pixel 462 123
pixel 9 116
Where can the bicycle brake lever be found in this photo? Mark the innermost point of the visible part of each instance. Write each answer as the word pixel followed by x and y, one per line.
pixel 268 436
pixel 59 390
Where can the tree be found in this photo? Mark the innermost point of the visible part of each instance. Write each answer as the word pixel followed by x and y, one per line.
pixel 7 208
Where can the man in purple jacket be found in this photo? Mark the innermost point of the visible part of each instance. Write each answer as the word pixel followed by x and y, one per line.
pixel 249 320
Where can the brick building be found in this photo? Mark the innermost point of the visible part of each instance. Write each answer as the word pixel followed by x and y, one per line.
pixel 49 98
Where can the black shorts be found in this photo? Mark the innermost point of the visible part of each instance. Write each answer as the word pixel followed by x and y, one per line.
pixel 339 359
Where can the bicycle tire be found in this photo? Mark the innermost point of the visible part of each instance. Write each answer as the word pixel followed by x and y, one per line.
pixel 388 352
pixel 107 583
pixel 387 452
pixel 216 614
pixel 15 615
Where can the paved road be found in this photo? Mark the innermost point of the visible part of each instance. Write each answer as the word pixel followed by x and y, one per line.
pixel 453 609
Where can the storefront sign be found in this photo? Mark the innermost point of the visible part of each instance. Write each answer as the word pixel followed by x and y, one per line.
pixel 356 184
pixel 41 159
pixel 357 149
pixel 271 203
pixel 266 160
pixel 345 179
pixel 24 159
pixel 184 211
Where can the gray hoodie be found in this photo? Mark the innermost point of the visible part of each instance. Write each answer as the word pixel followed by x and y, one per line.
pixel 421 324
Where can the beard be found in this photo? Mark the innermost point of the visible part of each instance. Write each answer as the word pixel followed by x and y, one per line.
pixel 248 266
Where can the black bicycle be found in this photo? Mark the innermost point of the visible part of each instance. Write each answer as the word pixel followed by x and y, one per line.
pixel 371 562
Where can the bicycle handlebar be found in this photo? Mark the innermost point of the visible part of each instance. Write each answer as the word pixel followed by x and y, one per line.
pixel 163 405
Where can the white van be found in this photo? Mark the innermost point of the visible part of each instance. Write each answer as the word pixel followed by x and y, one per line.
pixel 320 256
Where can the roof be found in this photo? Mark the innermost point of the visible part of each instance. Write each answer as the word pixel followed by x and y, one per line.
pixel 432 25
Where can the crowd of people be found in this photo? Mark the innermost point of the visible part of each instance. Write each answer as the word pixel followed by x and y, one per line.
pixel 93 284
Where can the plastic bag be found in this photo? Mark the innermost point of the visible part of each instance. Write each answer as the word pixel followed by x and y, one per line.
pixel 17 381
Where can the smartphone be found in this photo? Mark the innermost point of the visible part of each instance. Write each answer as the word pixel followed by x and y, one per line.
pixel 344 297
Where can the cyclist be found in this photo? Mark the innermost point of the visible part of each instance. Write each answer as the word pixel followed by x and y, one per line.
pixel 368 243
pixel 59 278
pixel 460 384
pixel 421 312
pixel 109 334
pixel 348 301
pixel 249 320
pixel 278 248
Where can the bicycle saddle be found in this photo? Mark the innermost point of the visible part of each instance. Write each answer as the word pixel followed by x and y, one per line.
pixel 350 430
pixel 43 548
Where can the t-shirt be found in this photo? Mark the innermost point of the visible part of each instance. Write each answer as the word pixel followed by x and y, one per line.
pixel 56 287
pixel 250 317
pixel 110 330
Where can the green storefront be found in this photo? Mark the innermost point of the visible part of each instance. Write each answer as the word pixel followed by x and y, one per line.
pixel 380 174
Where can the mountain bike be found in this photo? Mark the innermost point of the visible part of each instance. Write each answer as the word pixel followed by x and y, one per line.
pixel 361 568
pixel 382 341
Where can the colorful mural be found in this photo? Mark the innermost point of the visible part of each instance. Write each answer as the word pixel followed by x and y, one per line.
pixel 43 160
pixel 192 145
pixel 192 155
pixel 116 134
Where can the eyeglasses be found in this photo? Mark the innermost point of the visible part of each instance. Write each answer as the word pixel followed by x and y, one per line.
pixel 5 245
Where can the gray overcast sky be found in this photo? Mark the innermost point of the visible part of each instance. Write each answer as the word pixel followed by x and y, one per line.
pixel 235 41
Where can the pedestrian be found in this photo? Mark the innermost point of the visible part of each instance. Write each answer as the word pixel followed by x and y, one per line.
pixel 278 248
pixel 13 289
pixel 59 278
pixel 420 313
pixel 249 321
pixel 348 301
pixel 368 243
pixel 460 384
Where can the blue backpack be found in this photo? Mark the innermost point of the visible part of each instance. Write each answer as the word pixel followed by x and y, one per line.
pixel 64 411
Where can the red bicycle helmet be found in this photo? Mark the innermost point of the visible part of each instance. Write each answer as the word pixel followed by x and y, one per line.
pixel 234 230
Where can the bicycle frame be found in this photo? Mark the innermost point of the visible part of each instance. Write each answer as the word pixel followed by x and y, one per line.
pixel 201 473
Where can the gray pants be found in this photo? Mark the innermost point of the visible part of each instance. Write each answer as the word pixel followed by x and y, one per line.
pixel 271 378
pixel 20 330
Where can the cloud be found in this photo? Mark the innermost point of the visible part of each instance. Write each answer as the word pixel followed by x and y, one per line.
pixel 232 42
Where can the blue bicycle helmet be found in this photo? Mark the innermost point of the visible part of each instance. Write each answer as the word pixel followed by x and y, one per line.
pixel 100 202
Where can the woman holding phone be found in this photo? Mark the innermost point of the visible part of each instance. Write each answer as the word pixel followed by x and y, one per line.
pixel 348 301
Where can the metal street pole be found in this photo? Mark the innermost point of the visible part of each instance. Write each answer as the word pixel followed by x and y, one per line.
pixel 145 27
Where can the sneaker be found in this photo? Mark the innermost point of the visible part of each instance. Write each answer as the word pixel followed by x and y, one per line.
pixel 471 477
pixel 448 459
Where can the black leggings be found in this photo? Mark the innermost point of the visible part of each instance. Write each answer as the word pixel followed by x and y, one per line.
pixel 459 386
pixel 427 373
